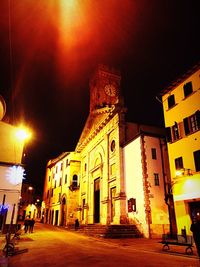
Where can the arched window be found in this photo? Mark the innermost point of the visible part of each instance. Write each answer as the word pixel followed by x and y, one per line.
pixel 75 180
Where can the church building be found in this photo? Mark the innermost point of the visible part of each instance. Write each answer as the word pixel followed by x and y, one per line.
pixel 118 173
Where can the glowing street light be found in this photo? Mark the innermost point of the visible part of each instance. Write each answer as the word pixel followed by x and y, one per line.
pixel 23 134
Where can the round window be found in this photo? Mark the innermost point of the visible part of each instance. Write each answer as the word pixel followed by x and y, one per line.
pixel 112 146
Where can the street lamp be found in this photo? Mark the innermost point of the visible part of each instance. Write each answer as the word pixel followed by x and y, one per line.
pixel 23 134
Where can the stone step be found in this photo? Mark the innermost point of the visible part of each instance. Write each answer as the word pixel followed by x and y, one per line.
pixel 110 231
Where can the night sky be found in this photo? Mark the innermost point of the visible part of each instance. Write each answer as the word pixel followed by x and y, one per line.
pixel 50 48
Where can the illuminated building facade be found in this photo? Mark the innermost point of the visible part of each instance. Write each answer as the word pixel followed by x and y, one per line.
pixel 101 167
pixel 11 170
pixel 146 173
pixel 181 105
pixel 61 190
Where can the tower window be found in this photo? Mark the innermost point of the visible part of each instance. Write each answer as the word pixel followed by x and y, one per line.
pixel 65 178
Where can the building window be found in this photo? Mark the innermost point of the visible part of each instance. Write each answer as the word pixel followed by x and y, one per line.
pixel 75 180
pixel 59 197
pixel 192 123
pixel 175 131
pixel 55 184
pixel 49 178
pixel 179 163
pixel 153 153
pixel 85 167
pixel 168 134
pixel 171 101
pixel 60 181
pixel 56 169
pixel 187 88
pixel 61 166
pixel 112 146
pixel 67 162
pixel 197 160
pixel 48 194
pixel 65 178
pixel 52 192
pixel 156 179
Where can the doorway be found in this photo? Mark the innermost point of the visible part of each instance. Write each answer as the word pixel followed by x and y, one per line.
pixel 112 196
pixel 63 212
pixel 97 200
pixel 56 217
pixel 195 210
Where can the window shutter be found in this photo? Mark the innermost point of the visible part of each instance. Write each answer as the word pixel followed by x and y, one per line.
pixel 197 160
pixel 197 113
pixel 168 134
pixel 186 126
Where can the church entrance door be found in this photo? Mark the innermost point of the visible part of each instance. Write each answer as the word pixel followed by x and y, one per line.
pixel 97 200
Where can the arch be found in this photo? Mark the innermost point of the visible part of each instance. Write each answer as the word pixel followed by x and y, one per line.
pixel 63 210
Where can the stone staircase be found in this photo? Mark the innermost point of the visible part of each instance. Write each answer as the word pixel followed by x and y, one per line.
pixel 111 231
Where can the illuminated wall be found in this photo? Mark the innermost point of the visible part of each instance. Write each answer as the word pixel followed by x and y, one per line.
pixel 151 214
pixel 60 195
pixel 181 106
pixel 11 173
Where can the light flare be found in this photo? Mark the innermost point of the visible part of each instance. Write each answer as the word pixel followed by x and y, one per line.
pixel 23 134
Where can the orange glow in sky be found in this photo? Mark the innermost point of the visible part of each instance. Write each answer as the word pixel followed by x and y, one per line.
pixel 71 22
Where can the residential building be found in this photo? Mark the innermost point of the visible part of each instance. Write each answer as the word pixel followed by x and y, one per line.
pixel 11 171
pixel 61 188
pixel 181 106
pixel 146 173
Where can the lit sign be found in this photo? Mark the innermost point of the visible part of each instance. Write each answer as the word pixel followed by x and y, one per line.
pixel 3 209
pixel 15 174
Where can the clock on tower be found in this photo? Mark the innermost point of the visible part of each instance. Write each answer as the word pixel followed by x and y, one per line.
pixel 104 88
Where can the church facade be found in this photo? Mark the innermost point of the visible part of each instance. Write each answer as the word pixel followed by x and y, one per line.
pixel 107 179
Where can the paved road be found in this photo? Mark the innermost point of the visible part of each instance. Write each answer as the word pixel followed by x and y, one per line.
pixel 52 246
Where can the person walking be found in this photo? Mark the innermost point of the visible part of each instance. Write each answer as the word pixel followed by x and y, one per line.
pixel 31 225
pixel 76 224
pixel 26 224
pixel 195 229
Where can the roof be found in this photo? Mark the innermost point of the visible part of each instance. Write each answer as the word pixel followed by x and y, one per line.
pixel 181 79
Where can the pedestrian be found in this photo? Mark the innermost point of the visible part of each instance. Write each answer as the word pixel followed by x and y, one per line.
pixel 31 225
pixel 76 224
pixel 195 229
pixel 26 224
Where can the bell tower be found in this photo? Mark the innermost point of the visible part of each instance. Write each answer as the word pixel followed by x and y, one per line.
pixel 105 88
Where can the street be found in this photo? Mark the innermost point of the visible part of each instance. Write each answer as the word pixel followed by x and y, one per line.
pixel 53 246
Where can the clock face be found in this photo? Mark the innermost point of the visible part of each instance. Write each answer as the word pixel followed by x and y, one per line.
pixel 110 90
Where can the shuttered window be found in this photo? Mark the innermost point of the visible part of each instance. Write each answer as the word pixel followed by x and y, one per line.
pixel 179 163
pixel 197 160
pixel 171 101
pixel 187 88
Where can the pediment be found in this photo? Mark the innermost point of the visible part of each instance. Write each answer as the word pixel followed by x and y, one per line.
pixel 94 123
